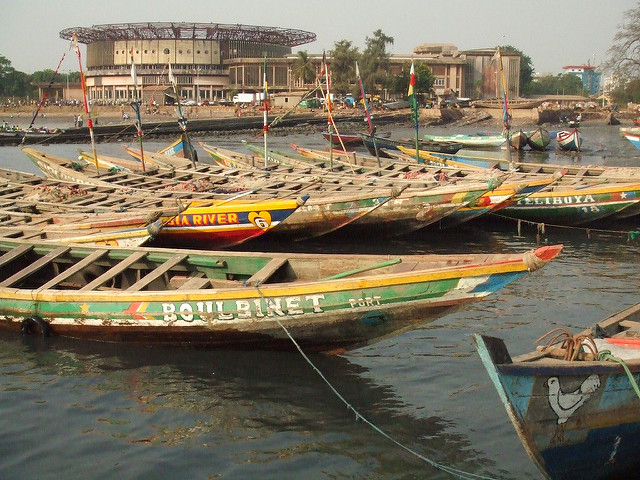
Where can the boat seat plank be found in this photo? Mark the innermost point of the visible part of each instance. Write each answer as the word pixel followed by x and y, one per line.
pixel 266 272
pixel 75 268
pixel 35 266
pixel 15 253
pixel 115 270
pixel 157 273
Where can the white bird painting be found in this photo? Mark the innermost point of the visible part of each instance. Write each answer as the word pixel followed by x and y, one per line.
pixel 564 404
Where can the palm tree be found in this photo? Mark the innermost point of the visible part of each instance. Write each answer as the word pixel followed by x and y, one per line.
pixel 303 67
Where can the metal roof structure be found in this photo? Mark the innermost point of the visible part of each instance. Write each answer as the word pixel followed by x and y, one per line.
pixel 184 30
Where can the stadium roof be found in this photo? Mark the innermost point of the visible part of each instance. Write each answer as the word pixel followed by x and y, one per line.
pixel 196 31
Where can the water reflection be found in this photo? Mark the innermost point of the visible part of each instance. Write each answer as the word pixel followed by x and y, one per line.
pixel 254 411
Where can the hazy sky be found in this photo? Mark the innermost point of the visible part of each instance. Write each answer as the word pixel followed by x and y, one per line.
pixel 553 33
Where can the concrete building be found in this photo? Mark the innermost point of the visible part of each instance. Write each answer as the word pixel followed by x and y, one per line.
pixel 591 79
pixel 210 61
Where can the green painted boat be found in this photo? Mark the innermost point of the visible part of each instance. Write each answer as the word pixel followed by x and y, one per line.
pixel 577 203
pixel 206 298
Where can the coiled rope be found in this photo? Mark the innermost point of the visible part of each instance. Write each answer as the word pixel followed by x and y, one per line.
pixel 440 466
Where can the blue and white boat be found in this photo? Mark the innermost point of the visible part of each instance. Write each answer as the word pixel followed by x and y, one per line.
pixel 575 402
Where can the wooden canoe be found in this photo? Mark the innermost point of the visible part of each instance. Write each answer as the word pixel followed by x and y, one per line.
pixel 239 300
pixel 471 141
pixel 569 140
pixel 116 228
pixel 577 204
pixel 538 139
pixel 574 401
pixel 518 140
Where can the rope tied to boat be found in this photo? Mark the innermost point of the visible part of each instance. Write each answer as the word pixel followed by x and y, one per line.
pixel 532 261
pixel 571 347
pixel 359 417
pixel 606 355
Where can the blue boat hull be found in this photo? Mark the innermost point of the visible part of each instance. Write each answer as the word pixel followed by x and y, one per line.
pixel 576 420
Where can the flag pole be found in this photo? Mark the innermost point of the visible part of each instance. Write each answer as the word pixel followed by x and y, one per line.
pixel 265 108
pixel 136 107
pixel 506 120
pixel 370 128
pixel 413 104
pixel 86 103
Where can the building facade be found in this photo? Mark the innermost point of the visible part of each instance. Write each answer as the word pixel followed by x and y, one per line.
pixel 591 80
pixel 210 61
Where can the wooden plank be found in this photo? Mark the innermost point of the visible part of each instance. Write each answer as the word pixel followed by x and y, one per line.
pixel 34 267
pixel 195 283
pixel 157 272
pixel 115 270
pixel 75 268
pixel 267 271
pixel 15 253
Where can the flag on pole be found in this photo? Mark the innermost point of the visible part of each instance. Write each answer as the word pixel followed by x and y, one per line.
pixel 134 75
pixel 172 79
pixel 413 101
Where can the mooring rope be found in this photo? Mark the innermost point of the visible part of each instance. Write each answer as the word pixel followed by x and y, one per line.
pixel 606 355
pixel 631 235
pixel 440 466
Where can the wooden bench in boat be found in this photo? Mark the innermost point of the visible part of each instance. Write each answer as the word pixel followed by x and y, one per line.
pixel 266 272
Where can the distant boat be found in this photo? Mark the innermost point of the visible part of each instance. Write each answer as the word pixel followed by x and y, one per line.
pixel 381 144
pixel 633 138
pixel 471 140
pixel 396 105
pixel 354 138
pixel 518 140
pixel 498 103
pixel 539 139
pixel 574 401
pixel 569 140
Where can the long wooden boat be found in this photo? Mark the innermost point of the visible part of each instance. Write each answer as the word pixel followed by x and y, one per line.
pixel 350 138
pixel 576 204
pixel 470 140
pixel 499 102
pixel 221 222
pixel 378 146
pixel 233 299
pixel 574 401
pixel 116 228
pixel 161 159
pixel 569 140
pixel 334 203
pixel 512 191
pixel 601 173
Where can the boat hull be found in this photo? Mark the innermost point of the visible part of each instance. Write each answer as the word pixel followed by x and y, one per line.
pixel 347 309
pixel 575 419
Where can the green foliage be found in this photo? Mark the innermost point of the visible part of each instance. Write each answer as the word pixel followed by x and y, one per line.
pixel 19 85
pixel 303 67
pixel 343 67
pixel 424 79
pixel 374 67
pixel 627 92
pixel 564 84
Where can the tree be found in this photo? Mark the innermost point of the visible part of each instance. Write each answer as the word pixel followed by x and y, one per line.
pixel 303 67
pixel 343 66
pixel 624 54
pixel 375 61
pixel 424 79
pixel 566 84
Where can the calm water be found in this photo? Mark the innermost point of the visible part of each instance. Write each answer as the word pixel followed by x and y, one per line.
pixel 68 408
